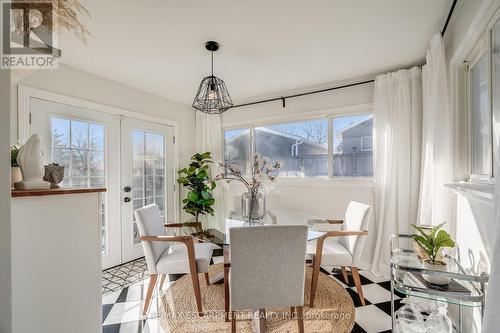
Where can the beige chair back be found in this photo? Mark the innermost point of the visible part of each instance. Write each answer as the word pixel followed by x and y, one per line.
pixel 267 266
pixel 150 223
pixel 357 217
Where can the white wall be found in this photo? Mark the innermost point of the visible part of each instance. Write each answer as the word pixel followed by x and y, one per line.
pixel 475 227
pixel 5 224
pixel 56 264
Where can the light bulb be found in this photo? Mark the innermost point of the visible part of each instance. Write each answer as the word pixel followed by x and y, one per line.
pixel 212 94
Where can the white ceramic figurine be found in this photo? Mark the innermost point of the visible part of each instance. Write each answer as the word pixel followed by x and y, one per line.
pixel 30 160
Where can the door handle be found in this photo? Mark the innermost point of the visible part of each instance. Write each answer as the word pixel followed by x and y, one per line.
pixel 127 189
pixel 126 199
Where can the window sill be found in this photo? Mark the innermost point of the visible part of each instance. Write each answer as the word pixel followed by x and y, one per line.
pixel 319 182
pixel 477 191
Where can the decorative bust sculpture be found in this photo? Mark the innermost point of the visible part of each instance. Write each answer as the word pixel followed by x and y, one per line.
pixel 30 160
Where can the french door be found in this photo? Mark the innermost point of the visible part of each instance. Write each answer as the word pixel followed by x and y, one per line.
pixel 133 159
pixel 147 177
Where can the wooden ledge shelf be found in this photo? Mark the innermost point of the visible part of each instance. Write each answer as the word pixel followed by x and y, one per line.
pixel 55 191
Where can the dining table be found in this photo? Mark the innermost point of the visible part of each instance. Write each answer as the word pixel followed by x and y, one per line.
pixel 222 240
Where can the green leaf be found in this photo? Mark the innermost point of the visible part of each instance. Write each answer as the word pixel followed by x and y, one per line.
pixel 202 175
pixel 422 241
pixel 192 196
pixel 423 233
pixel 205 194
pixel 433 231
pixel 443 239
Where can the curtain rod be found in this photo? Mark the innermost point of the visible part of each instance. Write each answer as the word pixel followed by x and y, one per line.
pixel 284 98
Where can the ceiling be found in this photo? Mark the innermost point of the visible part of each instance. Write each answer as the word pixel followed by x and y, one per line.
pixel 266 46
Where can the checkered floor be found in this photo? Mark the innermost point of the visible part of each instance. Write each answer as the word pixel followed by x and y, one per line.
pixel 119 277
pixel 121 308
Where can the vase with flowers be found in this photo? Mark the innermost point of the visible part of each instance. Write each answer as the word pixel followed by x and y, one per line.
pixel 263 175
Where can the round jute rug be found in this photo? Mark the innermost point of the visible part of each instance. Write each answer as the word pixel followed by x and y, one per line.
pixel 333 309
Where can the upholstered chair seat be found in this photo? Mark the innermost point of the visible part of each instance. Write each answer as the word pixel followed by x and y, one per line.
pixel 334 253
pixel 175 259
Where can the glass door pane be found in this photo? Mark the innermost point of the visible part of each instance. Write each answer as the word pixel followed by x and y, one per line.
pixel 148 172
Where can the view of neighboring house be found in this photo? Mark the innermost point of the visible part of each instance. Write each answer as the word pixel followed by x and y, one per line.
pixel 303 157
pixel 353 152
pixel 300 157
pixel 356 137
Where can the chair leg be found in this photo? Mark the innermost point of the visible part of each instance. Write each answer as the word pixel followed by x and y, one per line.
pixel 300 317
pixel 162 280
pixel 292 311
pixel 315 273
pixel 207 279
pixel 193 271
pixel 147 301
pixel 233 322
pixel 357 282
pixel 344 273
pixel 197 293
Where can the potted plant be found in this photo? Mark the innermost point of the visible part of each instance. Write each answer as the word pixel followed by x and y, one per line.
pixel 199 199
pixel 430 243
pixel 15 170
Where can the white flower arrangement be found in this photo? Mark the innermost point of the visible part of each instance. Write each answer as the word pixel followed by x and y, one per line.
pixel 263 175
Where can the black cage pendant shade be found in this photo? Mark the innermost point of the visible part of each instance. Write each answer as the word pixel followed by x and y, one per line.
pixel 212 96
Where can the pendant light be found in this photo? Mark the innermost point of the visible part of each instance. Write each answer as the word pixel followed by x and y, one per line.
pixel 212 96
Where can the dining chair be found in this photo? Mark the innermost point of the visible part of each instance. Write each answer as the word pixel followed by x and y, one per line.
pixel 267 269
pixel 341 248
pixel 170 254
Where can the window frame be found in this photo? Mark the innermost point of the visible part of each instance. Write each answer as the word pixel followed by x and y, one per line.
pixel 329 115
pixel 482 47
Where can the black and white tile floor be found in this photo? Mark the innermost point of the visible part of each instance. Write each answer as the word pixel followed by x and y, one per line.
pixel 121 309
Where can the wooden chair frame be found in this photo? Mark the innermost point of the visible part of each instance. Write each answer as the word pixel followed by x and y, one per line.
pixel 319 253
pixel 189 242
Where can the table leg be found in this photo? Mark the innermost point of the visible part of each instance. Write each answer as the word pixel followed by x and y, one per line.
pixel 259 323
pixel 226 282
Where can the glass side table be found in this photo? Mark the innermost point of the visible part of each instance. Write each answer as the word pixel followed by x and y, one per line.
pixel 406 267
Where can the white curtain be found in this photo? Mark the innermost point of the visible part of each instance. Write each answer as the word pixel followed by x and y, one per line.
pixel 397 128
pixel 435 202
pixel 209 138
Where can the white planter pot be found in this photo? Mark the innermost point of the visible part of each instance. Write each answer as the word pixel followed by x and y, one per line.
pixel 15 176
pixel 435 279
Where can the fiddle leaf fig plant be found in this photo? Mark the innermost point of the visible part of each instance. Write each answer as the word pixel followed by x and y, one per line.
pixel 199 200
pixel 432 241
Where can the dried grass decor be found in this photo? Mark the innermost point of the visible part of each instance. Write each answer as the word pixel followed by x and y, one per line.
pixel 67 14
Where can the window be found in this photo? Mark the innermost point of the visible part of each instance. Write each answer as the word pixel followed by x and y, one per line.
pixel 237 148
pixel 79 147
pixel 302 147
pixel 352 146
pixel 480 115
pixel 335 147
